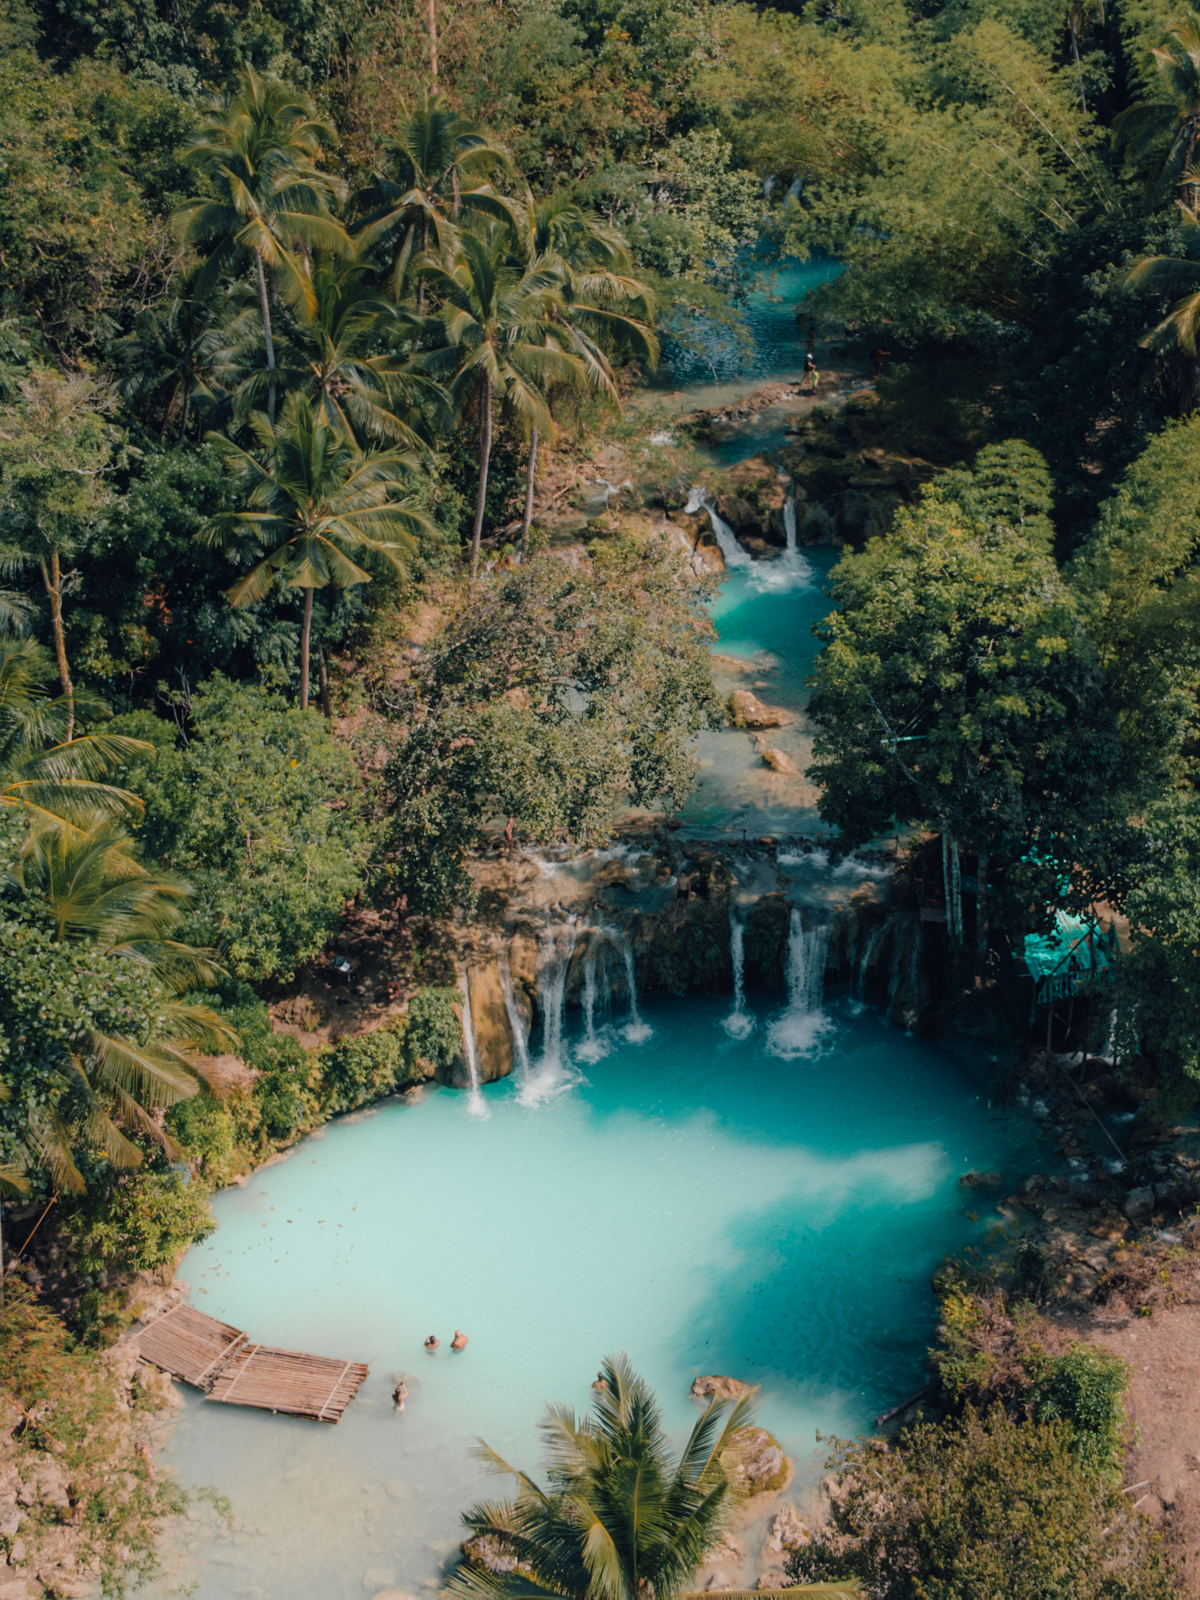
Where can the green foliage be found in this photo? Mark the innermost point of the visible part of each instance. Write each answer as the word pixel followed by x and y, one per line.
pixel 1085 1388
pixel 76 1431
pixel 1008 488
pixel 955 684
pixel 432 1029
pixel 983 1507
pixel 364 1066
pixel 551 697
pixel 138 1222
pixel 259 810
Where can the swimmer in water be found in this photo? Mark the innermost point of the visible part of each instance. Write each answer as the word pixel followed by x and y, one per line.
pixel 400 1395
pixel 432 1343
pixel 459 1341
pixel 601 1382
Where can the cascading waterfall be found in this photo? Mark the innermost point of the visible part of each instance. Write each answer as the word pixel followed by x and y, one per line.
pixel 593 1046
pixel 635 1030
pixel 875 939
pixel 735 556
pixel 739 1024
pixel 476 1104
pixel 516 1022
pixel 550 1074
pixel 800 1028
pixel 789 519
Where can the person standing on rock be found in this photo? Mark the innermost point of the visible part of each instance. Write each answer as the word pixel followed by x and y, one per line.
pixel 810 371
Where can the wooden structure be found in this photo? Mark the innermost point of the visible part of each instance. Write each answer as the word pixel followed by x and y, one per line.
pixel 289 1381
pixel 218 1359
pixel 189 1345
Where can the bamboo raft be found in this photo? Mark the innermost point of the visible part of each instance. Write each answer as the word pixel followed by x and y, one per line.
pixel 218 1359
pixel 289 1381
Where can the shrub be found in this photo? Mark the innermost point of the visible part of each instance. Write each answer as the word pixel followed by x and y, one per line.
pixel 364 1066
pixel 1085 1388
pixel 982 1509
pixel 432 1029
pixel 138 1222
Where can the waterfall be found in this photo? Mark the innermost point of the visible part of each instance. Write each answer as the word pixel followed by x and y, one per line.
pixel 700 499
pixel 799 1029
pixel 739 1023
pixel 789 519
pixel 593 1047
pixel 476 1104
pixel 877 936
pixel 551 1073
pixel 516 1023
pixel 635 1030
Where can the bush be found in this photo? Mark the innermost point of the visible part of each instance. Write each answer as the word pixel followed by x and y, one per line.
pixel 982 1509
pixel 1085 1388
pixel 365 1066
pixel 138 1222
pixel 432 1029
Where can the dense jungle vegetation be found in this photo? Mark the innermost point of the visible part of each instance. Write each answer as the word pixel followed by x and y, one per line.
pixel 295 301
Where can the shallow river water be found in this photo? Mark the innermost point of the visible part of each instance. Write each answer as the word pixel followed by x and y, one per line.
pixel 698 1201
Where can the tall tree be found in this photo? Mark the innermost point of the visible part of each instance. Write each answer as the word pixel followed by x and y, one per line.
pixel 316 505
pixel 56 447
pixel 168 358
pixel 259 147
pixel 1160 135
pixel 438 172
pixel 501 340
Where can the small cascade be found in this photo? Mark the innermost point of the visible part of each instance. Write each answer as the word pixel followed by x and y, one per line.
pixel 789 519
pixel 635 1030
pixel 876 938
pixel 476 1104
pixel 735 556
pixel 914 971
pixel 739 1024
pixel 801 1027
pixel 593 1045
pixel 550 1074
pixel 516 1023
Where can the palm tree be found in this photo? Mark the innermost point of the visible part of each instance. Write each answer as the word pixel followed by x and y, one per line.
pixel 1179 276
pixel 54 780
pixel 501 339
pixel 101 894
pixel 621 1519
pixel 314 501
pixel 601 302
pixel 170 353
pixel 342 354
pixel 438 172
pixel 259 147
pixel 1142 130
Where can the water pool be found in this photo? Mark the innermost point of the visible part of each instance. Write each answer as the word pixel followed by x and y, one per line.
pixel 763 616
pixel 695 1200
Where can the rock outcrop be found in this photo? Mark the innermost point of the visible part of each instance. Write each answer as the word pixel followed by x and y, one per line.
pixel 746 710
pixel 717 1387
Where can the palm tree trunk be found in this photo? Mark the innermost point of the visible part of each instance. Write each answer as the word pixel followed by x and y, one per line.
pixel 187 400
pixel 528 517
pixel 305 636
pixel 270 343
pixel 485 455
pixel 52 579
pixel 432 13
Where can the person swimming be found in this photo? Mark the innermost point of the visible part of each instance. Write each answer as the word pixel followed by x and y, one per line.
pixel 400 1395
pixel 432 1343
pixel 601 1382
pixel 459 1341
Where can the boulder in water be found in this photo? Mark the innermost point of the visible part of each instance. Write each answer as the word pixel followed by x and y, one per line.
pixel 987 1181
pixel 747 711
pixel 786 1531
pixel 754 1463
pixel 718 1387
pixel 778 761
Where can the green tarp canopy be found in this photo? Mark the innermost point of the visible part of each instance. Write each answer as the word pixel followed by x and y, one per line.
pixel 1076 947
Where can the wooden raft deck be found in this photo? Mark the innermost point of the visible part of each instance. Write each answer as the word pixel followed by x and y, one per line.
pixel 217 1358
pixel 287 1380
pixel 189 1345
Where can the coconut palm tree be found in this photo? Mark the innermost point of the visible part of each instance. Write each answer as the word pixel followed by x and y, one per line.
pixel 501 340
pixel 349 354
pixel 259 147
pixel 170 353
pixel 1175 336
pixel 602 304
pixel 315 506
pixel 1174 120
pixel 55 781
pixel 621 1519
pixel 438 173
pixel 102 895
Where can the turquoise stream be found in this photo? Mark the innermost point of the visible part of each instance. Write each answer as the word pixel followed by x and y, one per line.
pixel 696 1201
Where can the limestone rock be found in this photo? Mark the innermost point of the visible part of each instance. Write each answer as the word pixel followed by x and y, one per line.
pixel 494 1054
pixel 1139 1203
pixel 778 761
pixel 785 1531
pixel 727 1548
pixel 754 1463
pixel 719 1582
pixel 987 1181
pixel 748 711
pixel 773 1578
pixel 738 513
pixel 720 1388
